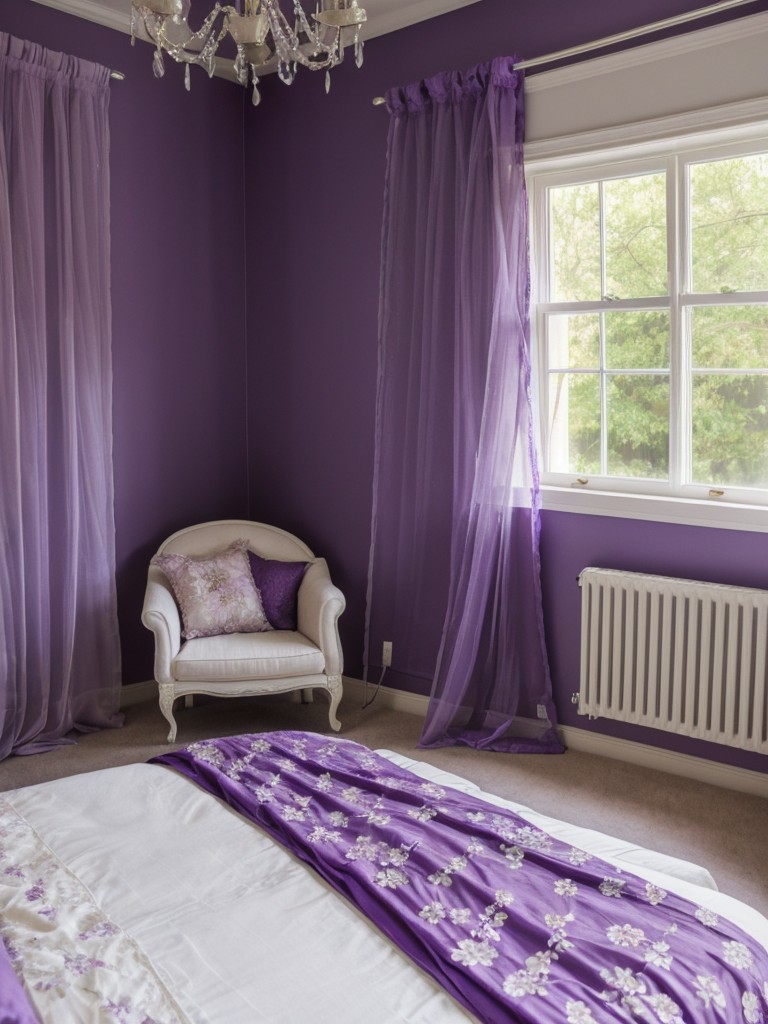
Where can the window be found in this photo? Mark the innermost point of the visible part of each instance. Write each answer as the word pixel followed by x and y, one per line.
pixel 651 313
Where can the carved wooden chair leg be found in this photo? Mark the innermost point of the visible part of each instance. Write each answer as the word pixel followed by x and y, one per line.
pixel 335 690
pixel 166 706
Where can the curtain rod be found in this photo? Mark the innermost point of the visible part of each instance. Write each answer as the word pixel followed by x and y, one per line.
pixel 621 37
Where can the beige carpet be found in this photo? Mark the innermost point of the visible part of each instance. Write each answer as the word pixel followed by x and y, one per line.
pixel 727 832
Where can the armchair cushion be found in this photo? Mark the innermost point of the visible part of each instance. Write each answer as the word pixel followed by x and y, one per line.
pixel 265 656
pixel 216 593
pixel 278 583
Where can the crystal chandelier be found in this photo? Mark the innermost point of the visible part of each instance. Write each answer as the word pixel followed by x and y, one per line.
pixel 261 32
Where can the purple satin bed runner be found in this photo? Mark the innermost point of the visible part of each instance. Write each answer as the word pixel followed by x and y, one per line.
pixel 516 925
pixel 14 1005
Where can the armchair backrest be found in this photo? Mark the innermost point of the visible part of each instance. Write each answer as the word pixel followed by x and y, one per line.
pixel 267 541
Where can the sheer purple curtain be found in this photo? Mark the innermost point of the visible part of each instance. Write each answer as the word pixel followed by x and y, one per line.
pixel 454 569
pixel 59 649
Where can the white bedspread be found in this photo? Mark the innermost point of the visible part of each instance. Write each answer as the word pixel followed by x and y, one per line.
pixel 236 929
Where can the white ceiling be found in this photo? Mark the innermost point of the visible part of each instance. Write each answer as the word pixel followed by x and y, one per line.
pixel 383 15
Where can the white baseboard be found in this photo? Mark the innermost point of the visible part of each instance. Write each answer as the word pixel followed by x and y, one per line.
pixel 657 758
pixel 698 768
pixel 136 693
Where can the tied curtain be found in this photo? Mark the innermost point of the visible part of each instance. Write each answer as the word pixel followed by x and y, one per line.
pixel 59 647
pixel 454 576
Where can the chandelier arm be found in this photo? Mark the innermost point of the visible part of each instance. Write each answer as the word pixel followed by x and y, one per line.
pixel 323 49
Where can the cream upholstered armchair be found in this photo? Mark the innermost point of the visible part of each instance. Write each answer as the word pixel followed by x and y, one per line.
pixel 212 636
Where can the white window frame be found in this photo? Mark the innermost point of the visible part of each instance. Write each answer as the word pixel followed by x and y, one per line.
pixel 675 500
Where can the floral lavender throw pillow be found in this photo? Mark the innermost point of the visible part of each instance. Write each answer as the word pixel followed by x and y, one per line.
pixel 216 593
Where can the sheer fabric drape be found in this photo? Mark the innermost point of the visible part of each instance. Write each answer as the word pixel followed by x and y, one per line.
pixel 454 569
pixel 59 648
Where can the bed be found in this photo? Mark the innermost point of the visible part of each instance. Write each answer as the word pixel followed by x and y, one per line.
pixel 215 885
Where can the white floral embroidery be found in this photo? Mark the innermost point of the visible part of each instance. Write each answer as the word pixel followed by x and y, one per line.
pixel 339 819
pixel 260 746
pixel 320 834
pixel 470 952
pixel 431 790
pixel 707 917
pixel 624 980
pixel 441 878
pixel 460 915
pixel 514 856
pixel 423 813
pixel 352 794
pixel 433 912
pixel 709 991
pixel 737 955
pixel 530 980
pixel 294 813
pixel 658 954
pixel 207 752
pixel 612 887
pixel 655 894
pixel 391 878
pixel 578 1013
pixel 578 857
pixel 532 838
pixel 566 887
pixel 490 922
pixel 556 923
pixel 751 1006
pixel 666 1009
pixel 325 783
pixel 475 817
pixel 625 935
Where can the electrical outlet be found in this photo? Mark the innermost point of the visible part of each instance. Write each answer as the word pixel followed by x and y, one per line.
pixel 386 654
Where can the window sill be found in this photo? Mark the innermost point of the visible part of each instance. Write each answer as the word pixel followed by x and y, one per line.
pixel 687 511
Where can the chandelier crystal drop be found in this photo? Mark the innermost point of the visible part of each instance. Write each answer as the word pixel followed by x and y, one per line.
pixel 264 38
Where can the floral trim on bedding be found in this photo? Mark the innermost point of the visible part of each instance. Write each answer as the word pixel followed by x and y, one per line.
pixel 75 964
pixel 517 925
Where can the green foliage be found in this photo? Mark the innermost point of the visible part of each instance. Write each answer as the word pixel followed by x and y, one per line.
pixel 610 383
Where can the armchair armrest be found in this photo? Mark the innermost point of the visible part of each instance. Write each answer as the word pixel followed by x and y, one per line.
pixel 161 615
pixel 320 604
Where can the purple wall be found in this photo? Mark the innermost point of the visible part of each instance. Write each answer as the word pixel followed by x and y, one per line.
pixel 252 393
pixel 176 167
pixel 314 239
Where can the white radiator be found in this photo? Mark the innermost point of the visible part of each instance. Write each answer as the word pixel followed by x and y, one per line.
pixel 677 655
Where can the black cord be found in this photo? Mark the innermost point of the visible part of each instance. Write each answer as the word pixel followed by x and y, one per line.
pixel 367 703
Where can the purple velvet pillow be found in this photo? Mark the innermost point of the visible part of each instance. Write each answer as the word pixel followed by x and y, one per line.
pixel 278 583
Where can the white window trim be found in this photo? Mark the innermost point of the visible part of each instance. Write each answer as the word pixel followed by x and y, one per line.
pixel 738 123
pixel 686 511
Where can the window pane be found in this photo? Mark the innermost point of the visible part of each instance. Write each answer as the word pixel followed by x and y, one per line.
pixel 574 342
pixel 636 340
pixel 636 236
pixel 574 428
pixel 730 429
pixel 575 243
pixel 729 337
pixel 729 224
pixel 638 425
